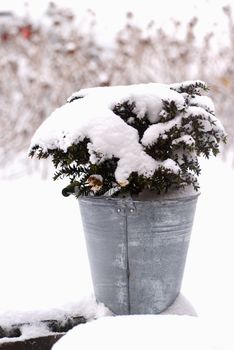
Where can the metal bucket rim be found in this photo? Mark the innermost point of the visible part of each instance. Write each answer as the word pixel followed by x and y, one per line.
pixel 184 198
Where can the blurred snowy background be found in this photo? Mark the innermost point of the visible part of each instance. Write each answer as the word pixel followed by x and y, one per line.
pixel 50 50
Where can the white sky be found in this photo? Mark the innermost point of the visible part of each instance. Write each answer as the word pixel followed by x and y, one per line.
pixel 111 14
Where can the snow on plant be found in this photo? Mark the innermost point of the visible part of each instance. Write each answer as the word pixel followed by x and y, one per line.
pixel 124 139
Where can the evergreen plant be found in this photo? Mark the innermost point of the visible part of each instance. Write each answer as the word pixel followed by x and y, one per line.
pixel 187 134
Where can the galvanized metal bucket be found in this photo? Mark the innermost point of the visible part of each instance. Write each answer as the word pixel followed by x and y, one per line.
pixel 137 250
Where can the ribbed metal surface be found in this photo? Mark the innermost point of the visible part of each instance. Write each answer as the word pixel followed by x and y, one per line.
pixel 137 250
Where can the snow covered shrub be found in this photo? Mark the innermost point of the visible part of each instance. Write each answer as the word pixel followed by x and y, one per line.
pixel 124 139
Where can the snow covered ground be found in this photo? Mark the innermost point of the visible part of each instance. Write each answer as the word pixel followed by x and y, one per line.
pixel 44 266
pixel 146 332
pixel 209 277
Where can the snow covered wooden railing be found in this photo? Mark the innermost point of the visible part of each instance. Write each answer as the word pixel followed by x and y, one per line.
pixel 36 335
pixel 39 343
pixel 40 328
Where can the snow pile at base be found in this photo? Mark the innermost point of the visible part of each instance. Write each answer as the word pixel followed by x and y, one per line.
pixel 34 322
pixel 90 115
pixel 139 332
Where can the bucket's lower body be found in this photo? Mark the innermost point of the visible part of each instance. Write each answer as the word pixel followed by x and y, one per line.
pixel 137 251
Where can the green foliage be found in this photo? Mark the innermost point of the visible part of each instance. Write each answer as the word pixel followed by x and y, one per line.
pixel 169 111
pixel 191 88
pixel 191 135
pixel 125 111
